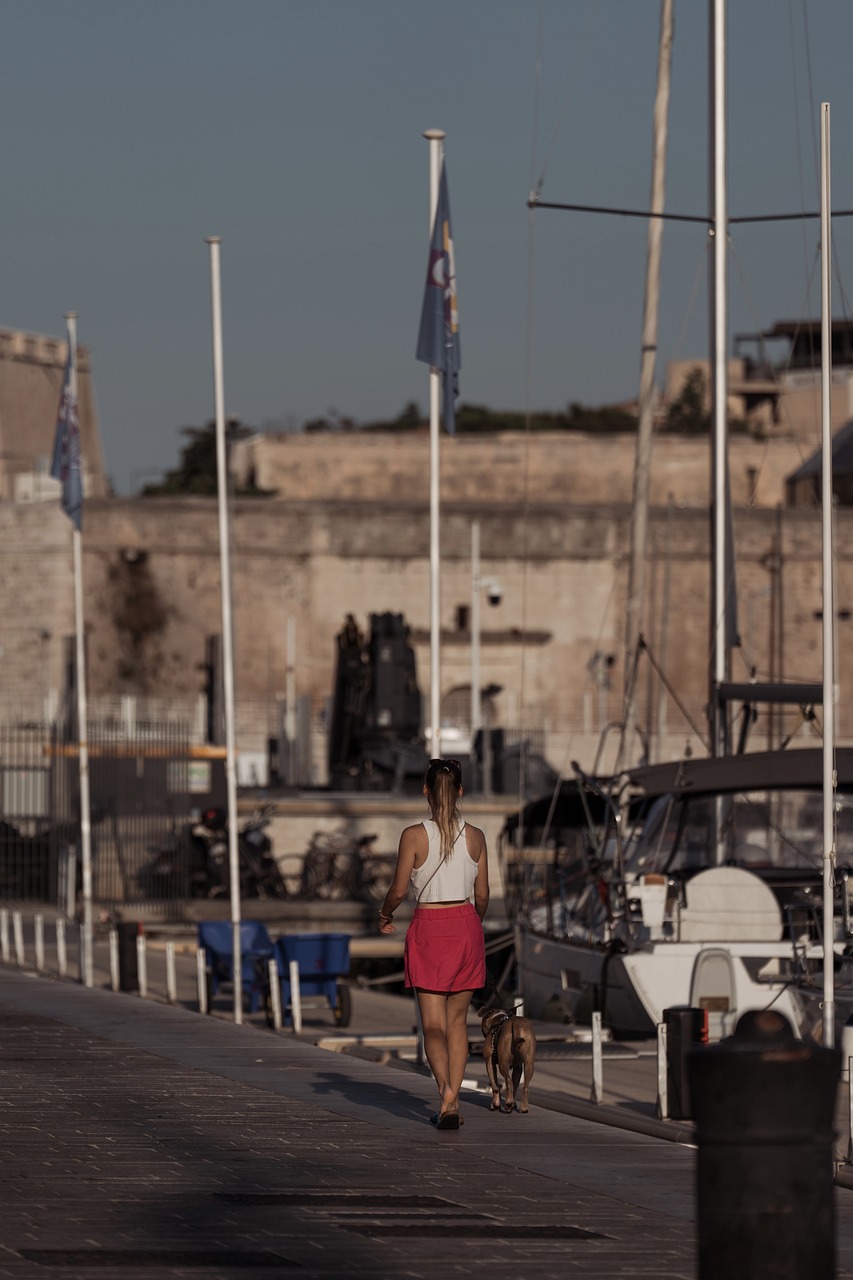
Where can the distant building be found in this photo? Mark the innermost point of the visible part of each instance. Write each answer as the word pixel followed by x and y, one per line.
pixel 803 488
pixel 31 372
pixel 346 531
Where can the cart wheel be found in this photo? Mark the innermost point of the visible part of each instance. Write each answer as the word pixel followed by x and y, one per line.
pixel 343 1006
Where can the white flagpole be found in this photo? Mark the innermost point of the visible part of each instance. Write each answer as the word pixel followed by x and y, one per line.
pixel 435 137
pixel 476 707
pixel 82 708
pixel 719 396
pixel 227 630
pixel 828 588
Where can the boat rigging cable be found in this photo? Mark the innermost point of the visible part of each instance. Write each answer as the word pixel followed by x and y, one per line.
pixel 536 183
pixel 535 201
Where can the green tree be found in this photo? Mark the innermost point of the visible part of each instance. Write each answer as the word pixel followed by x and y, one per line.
pixel 196 471
pixel 687 415
pixel 408 419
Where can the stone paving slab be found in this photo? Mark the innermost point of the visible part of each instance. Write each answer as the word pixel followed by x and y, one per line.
pixel 142 1140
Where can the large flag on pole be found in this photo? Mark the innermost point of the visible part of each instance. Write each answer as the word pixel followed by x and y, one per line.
pixel 438 338
pixel 65 464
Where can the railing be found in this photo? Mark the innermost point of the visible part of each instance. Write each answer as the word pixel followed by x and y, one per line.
pixel 175 972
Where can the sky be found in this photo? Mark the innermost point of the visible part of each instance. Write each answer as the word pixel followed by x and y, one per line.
pixel 293 130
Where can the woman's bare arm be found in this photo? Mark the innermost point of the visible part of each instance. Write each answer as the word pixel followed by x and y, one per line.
pixel 410 842
pixel 481 884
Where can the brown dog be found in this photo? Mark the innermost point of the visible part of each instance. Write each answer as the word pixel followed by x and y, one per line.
pixel 509 1047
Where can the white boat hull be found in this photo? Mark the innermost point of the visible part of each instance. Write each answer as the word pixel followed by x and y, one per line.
pixel 634 989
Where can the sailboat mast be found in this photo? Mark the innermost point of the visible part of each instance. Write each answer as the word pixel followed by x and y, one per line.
pixel 640 504
pixel 828 586
pixel 719 373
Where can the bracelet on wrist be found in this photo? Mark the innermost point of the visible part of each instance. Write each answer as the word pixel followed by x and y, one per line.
pixel 382 916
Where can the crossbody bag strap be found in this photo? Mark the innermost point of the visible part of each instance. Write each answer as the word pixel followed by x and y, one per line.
pixel 441 862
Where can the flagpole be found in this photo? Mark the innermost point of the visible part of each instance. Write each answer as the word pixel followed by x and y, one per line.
pixel 82 708
pixel 435 137
pixel 227 631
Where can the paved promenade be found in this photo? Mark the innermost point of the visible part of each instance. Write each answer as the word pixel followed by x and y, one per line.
pixel 141 1139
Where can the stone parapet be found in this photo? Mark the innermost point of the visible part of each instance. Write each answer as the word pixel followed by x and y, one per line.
pixel 511 469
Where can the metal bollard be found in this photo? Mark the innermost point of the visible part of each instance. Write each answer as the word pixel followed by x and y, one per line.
pixel 662 1109
pixel 4 935
pixel 275 994
pixel 171 974
pixel 846 1048
pixel 295 997
pixel 849 1114
pixel 18 935
pixel 38 926
pixel 115 980
pixel 61 948
pixel 201 980
pixel 141 964
pixel 764 1103
pixel 597 1093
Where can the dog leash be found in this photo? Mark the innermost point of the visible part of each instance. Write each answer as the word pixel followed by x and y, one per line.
pixel 494 1032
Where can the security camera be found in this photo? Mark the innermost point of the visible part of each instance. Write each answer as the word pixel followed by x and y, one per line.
pixel 494 594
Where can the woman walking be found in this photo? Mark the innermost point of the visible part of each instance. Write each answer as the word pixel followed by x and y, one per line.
pixel 446 861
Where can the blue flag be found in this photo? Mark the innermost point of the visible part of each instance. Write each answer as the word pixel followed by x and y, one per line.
pixel 438 338
pixel 65 464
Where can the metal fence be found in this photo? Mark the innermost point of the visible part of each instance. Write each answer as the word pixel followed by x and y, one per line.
pixel 143 788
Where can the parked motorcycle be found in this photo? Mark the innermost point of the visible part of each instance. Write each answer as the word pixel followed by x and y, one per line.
pixel 179 867
pixel 259 873
pixel 195 861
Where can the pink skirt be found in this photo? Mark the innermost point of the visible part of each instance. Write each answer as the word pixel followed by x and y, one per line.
pixel 445 949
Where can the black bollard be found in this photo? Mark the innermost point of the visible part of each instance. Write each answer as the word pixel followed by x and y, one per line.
pixel 763 1103
pixel 685 1028
pixel 128 967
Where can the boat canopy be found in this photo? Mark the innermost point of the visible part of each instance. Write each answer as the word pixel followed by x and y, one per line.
pixel 753 771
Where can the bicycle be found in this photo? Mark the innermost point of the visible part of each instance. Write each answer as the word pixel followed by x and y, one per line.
pixel 336 866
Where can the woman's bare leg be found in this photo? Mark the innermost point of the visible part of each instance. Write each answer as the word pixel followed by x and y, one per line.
pixel 444 1019
pixel 433 1010
pixel 457 1042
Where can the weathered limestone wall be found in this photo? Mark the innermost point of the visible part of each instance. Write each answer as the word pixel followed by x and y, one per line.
pixel 562 571
pixel 32 368
pixel 559 468
pixel 151 578
pixel 36 601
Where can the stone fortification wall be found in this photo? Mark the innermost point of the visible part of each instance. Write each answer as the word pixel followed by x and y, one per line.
pixel 37 594
pixel 562 572
pixel 571 468
pixel 152 583
pixel 31 372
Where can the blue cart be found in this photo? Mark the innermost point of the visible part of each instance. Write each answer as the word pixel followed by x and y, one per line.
pixel 256 951
pixel 323 958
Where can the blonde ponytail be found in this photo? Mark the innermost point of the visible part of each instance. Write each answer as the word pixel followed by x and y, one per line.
pixel 443 783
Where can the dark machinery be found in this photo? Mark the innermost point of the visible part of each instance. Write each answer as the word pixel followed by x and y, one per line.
pixel 376 737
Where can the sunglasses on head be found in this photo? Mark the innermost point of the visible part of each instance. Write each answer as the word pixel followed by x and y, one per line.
pixel 446 762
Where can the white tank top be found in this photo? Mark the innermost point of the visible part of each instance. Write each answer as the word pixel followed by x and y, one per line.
pixel 448 881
